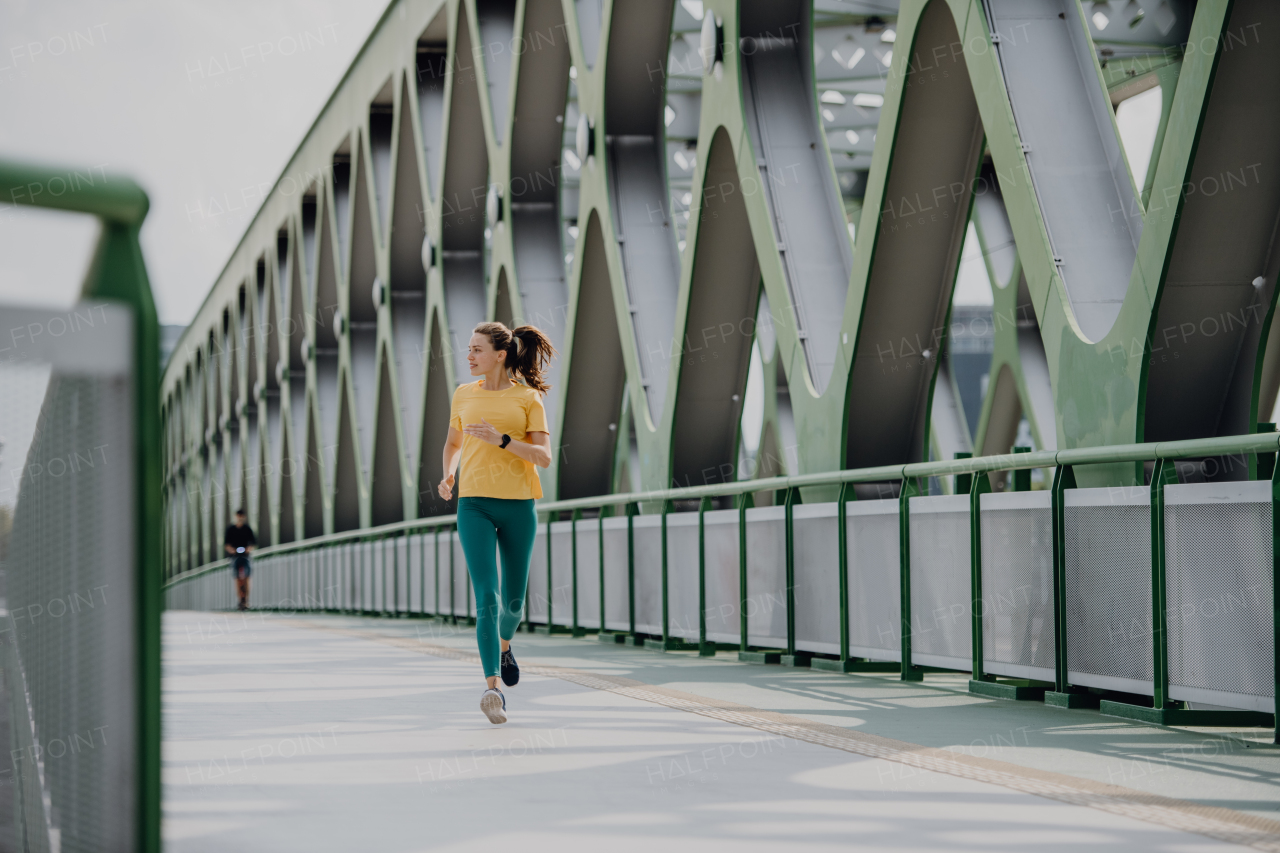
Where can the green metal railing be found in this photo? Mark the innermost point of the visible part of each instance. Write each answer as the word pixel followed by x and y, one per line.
pixel 1256 451
pixel 116 274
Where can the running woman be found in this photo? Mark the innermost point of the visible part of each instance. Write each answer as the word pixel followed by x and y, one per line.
pixel 498 427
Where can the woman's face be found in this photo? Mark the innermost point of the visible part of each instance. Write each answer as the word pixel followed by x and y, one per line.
pixel 481 355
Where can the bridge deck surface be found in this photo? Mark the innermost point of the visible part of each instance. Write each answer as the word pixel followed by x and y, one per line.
pixel 333 733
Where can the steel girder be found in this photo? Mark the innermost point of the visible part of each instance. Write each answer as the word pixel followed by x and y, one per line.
pixel 314 383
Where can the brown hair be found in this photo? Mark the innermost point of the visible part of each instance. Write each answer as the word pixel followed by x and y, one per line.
pixel 528 350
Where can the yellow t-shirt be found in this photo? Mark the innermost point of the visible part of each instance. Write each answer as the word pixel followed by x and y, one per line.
pixel 488 470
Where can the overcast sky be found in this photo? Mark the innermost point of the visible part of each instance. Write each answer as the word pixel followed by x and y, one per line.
pixel 201 102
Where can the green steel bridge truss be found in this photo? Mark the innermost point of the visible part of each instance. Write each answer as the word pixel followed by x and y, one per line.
pixel 705 201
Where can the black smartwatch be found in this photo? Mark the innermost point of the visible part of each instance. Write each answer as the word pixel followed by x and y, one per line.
pixel 506 439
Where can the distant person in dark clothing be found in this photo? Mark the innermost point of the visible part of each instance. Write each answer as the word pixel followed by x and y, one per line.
pixel 239 543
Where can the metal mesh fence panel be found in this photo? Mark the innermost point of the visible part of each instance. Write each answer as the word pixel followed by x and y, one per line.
pixel 817 577
pixel 720 536
pixel 941 582
pixel 562 573
pixel 70 639
pixel 617 584
pixel 1108 588
pixel 1218 577
pixel 647 536
pixel 682 575
pixel 766 599
pixel 875 579
pixel 1017 584
pixel 588 545
pixel 535 607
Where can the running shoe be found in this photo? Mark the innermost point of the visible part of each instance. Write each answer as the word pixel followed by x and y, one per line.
pixel 494 705
pixel 510 669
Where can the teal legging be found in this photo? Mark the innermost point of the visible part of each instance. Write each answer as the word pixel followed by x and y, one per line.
pixel 510 525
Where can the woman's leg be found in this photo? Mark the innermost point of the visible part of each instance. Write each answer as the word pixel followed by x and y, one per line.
pixel 517 528
pixel 478 533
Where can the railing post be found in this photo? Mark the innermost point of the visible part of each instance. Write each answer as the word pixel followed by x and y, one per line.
pixel 980 485
pixel 666 614
pixel 551 598
pixel 964 482
pixel 1062 694
pixel 791 658
pixel 435 569
pixel 1275 596
pixel 453 598
pixel 600 544
pixel 842 565
pixel 705 649
pixel 632 510
pixel 382 541
pixel 1165 472
pixel 1021 476
pixel 909 490
pixel 577 630
pixel 744 503
pixel 1264 463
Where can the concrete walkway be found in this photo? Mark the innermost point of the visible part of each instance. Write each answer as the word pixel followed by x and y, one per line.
pixel 325 733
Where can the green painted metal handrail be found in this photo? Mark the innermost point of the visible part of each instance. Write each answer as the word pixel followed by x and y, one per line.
pixel 118 273
pixel 1202 447
pixel 108 197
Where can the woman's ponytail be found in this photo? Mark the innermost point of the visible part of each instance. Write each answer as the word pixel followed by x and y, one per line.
pixel 529 351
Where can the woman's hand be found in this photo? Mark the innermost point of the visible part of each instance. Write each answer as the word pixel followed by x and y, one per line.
pixel 484 431
pixel 446 488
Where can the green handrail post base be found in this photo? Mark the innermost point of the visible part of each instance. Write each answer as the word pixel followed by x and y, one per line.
pixel 761 656
pixel 1172 714
pixel 1023 690
pixel 799 659
pixel 709 648
pixel 670 644
pixel 616 638
pixel 1074 698
pixel 853 665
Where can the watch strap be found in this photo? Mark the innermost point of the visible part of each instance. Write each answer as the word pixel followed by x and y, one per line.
pixel 506 439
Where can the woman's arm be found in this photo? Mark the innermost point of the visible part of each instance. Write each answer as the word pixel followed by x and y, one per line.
pixel 537 451
pixel 449 459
